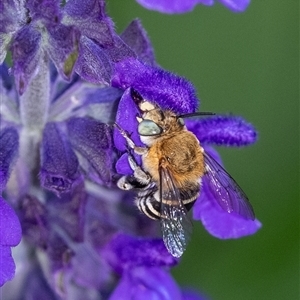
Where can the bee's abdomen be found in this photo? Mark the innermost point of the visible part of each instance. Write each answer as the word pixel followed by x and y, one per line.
pixel 149 203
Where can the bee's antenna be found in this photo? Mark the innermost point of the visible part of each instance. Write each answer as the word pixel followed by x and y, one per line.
pixel 199 113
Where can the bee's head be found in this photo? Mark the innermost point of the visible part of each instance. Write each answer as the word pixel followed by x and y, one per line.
pixel 157 123
pixel 154 122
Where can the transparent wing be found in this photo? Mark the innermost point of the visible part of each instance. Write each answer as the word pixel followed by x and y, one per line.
pixel 225 189
pixel 175 224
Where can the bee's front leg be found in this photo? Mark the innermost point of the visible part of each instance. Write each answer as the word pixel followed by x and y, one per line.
pixel 140 176
pixel 130 142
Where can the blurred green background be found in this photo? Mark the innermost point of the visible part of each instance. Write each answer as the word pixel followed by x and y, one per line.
pixel 246 64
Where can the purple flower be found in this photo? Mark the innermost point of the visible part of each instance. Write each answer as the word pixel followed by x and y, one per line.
pixel 182 6
pixel 58 173
pixel 72 78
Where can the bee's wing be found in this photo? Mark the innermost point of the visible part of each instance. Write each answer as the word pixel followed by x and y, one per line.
pixel 175 223
pixel 225 189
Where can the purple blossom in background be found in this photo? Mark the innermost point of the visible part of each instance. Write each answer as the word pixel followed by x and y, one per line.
pixel 60 158
pixel 182 6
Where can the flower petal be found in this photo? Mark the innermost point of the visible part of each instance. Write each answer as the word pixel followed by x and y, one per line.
pixel 12 15
pixel 217 221
pixel 33 216
pixel 182 6
pixel 93 64
pixel 170 7
pixel 62 46
pixel 92 139
pixel 9 145
pixel 88 268
pixel 10 235
pixel 89 17
pixel 45 11
pixel 157 85
pixel 59 165
pixel 125 252
pixel 236 5
pixel 136 38
pixel 188 294
pixel 26 52
pixel 7 265
pixel 6 80
pixel 99 104
pixel 10 227
pixel 66 218
pixel 119 50
pixel 223 130
pixel 146 283
pixel 126 119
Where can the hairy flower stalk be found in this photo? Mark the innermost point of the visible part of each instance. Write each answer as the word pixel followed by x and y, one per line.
pixel 71 79
pixel 35 101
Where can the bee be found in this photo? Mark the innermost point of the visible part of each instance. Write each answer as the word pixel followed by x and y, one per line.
pixel 169 180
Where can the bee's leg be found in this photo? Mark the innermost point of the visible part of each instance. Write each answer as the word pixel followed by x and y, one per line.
pixel 139 179
pixel 130 142
pixel 142 177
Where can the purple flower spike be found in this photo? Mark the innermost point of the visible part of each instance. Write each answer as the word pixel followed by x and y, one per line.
pixel 125 252
pixel 10 236
pixel 59 165
pixel 223 130
pixel 157 85
pixel 146 283
pixel 9 144
pixel 92 140
pixel 182 6
pixel 217 221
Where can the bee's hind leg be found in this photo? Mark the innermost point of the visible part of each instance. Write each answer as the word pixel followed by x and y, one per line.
pixel 139 179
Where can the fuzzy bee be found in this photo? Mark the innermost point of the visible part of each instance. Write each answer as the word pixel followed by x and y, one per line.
pixel 169 180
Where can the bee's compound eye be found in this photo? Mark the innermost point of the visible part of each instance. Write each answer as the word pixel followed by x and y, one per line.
pixel 148 128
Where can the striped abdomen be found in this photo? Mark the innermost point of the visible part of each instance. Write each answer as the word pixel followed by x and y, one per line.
pixel 148 199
